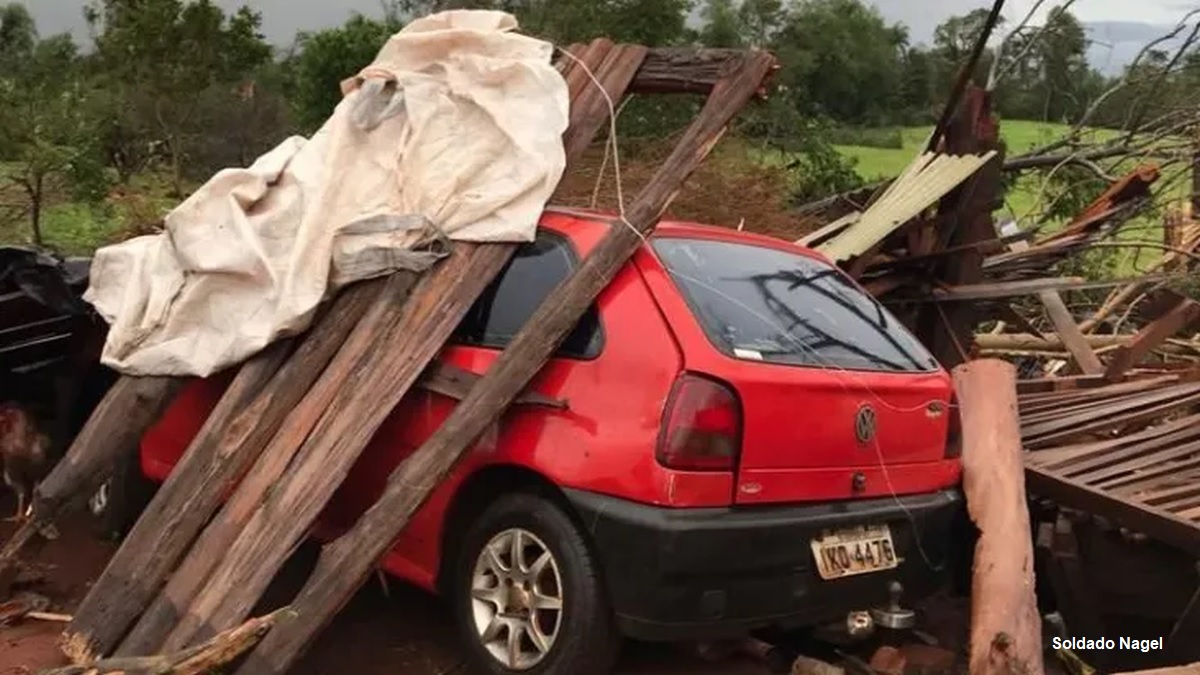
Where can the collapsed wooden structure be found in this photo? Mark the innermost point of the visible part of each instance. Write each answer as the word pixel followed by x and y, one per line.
pixel 298 415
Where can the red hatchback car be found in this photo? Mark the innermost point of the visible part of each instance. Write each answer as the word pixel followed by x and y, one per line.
pixel 750 441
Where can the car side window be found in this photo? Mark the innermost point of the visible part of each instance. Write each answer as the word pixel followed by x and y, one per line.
pixel 508 302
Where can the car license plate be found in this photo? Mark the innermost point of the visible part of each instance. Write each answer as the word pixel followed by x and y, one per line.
pixel 859 550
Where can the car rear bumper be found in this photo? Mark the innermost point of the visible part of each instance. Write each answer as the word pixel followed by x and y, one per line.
pixel 676 574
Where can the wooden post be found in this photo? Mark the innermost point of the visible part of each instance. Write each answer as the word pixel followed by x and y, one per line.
pixel 1005 628
pixel 347 562
pixel 973 129
pixel 250 412
pixel 115 427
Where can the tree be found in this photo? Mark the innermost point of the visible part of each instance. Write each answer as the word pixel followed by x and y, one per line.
pixel 761 21
pixel 842 60
pixel 1062 52
pixel 955 37
pixel 18 36
pixel 162 55
pixel 954 41
pixel 324 58
pixel 47 134
pixel 722 24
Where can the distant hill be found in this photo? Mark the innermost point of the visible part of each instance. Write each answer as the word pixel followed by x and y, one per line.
pixel 1116 43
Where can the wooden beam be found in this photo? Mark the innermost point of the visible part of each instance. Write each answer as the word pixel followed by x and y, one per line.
pixel 376 382
pixel 1005 626
pixel 115 427
pixel 1152 336
pixel 250 412
pixel 347 562
pixel 217 537
pixel 1066 327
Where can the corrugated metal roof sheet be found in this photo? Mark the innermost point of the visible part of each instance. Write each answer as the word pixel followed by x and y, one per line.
pixel 929 178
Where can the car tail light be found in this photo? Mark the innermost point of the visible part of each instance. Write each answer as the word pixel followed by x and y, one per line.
pixel 954 433
pixel 702 426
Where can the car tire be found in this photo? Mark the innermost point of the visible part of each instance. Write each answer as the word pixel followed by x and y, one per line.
pixel 116 504
pixel 491 602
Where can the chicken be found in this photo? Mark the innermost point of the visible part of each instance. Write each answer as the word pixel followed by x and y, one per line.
pixel 23 450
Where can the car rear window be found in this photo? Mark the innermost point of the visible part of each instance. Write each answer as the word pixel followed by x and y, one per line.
pixel 766 304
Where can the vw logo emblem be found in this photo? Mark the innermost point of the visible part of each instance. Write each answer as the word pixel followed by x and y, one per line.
pixel 864 424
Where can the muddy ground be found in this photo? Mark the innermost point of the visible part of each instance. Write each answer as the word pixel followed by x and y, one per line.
pixel 403 631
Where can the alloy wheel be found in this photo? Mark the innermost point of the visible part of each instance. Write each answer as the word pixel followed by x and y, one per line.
pixel 516 598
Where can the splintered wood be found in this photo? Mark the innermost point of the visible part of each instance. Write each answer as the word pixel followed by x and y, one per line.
pixel 1005 627
pixel 296 418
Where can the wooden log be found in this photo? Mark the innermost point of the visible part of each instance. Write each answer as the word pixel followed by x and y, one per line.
pixel 1153 335
pixel 250 412
pixel 115 427
pixel 162 615
pixel 1005 626
pixel 209 657
pixel 348 561
pixel 1054 343
pixel 666 70
pixel 377 382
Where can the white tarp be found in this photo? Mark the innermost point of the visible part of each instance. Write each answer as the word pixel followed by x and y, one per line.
pixel 454 131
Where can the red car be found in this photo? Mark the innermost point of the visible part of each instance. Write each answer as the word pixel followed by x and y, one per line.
pixel 750 441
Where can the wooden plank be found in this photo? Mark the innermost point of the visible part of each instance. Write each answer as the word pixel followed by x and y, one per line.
pixel 114 428
pixel 1151 336
pixel 1064 323
pixel 1138 459
pixel 377 382
pixel 1129 485
pixel 1002 590
pixel 347 562
pixel 239 428
pixel 1149 520
pixel 162 615
pixel 1101 414
pixel 1122 448
pixel 1133 413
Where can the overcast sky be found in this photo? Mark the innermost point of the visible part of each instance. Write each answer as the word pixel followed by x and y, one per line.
pixel 1125 24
